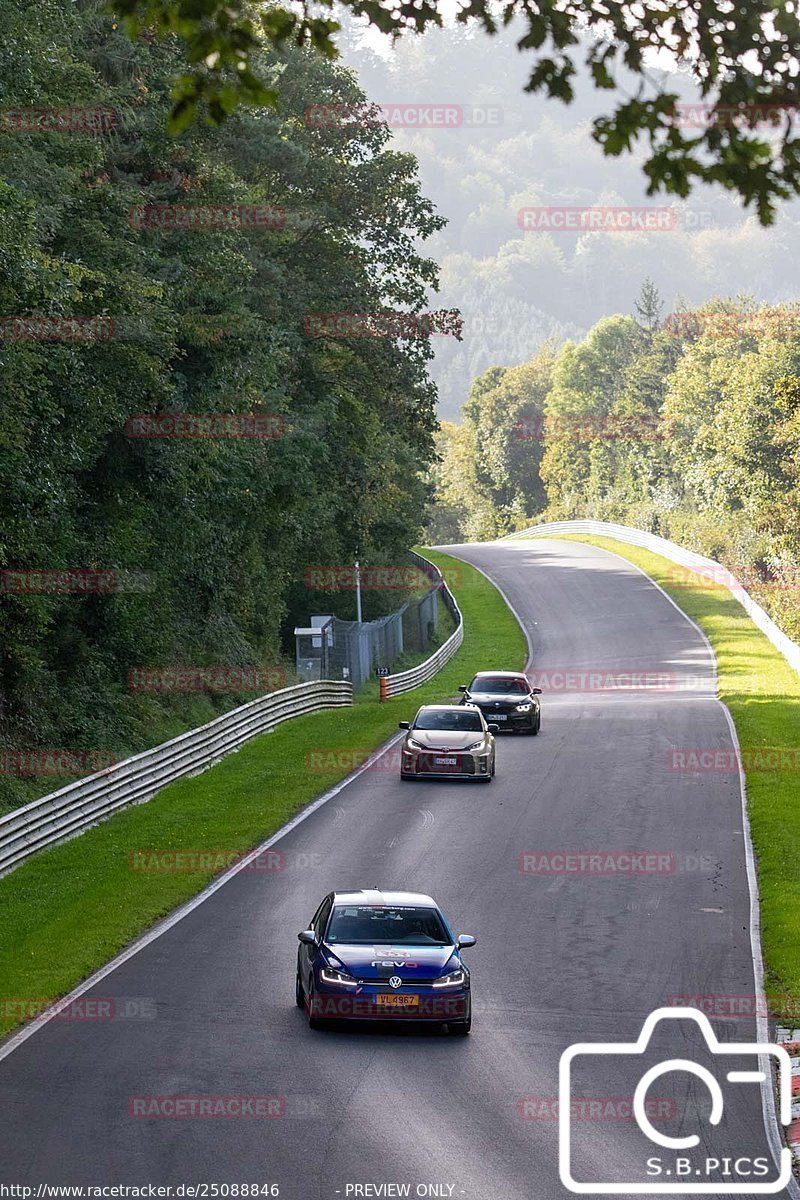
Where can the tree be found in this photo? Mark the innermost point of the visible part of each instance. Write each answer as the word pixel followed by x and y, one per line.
pixel 744 70
pixel 649 306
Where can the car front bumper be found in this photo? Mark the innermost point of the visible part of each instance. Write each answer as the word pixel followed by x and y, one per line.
pixel 422 764
pixel 510 720
pixel 363 1005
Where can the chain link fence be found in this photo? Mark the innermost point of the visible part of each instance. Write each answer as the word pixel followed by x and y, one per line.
pixel 351 650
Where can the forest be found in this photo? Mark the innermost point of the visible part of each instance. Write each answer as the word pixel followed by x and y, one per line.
pixel 684 424
pixel 170 279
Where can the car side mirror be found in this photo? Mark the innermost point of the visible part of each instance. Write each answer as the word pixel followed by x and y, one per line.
pixel 465 940
pixel 536 691
pixel 404 724
pixel 308 937
pixel 462 687
pixel 493 728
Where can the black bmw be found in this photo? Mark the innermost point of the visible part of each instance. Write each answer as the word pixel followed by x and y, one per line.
pixel 505 697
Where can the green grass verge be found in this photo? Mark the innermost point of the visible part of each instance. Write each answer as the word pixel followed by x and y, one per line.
pixel 70 909
pixel 762 693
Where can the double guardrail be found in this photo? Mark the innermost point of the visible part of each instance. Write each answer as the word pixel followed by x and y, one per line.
pixel 79 805
pixel 404 681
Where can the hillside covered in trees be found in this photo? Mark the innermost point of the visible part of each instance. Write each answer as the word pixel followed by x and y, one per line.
pixel 686 425
pixel 207 538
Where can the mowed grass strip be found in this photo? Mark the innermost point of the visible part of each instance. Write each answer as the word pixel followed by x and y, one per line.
pixel 70 909
pixel 763 695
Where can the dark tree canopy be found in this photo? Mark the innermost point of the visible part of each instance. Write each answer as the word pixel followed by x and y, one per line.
pixel 742 56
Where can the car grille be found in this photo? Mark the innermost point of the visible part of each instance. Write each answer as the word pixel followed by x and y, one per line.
pixel 415 982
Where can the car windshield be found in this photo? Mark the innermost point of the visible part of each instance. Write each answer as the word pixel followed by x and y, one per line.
pixel 370 925
pixel 453 720
pixel 498 685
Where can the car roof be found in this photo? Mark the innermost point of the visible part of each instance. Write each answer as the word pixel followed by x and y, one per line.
pixel 390 899
pixel 500 674
pixel 441 708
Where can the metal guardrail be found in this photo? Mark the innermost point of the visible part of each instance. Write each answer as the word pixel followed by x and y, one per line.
pixel 76 807
pixel 705 567
pixel 404 681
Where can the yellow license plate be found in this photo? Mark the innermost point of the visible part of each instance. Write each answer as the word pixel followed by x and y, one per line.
pixel 392 1000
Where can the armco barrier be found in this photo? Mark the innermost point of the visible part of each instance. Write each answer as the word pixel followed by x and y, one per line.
pixel 687 558
pixel 79 805
pixel 404 681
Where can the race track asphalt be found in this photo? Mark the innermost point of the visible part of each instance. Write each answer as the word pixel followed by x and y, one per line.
pixel 563 955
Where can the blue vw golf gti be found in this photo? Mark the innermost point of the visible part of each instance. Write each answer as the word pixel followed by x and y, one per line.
pixel 373 955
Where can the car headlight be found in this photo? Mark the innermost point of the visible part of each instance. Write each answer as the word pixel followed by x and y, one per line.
pixel 411 744
pixel 524 707
pixel 454 979
pixel 474 745
pixel 338 978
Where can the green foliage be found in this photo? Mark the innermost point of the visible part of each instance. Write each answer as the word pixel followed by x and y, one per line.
pixel 689 429
pixel 207 321
pixel 736 64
